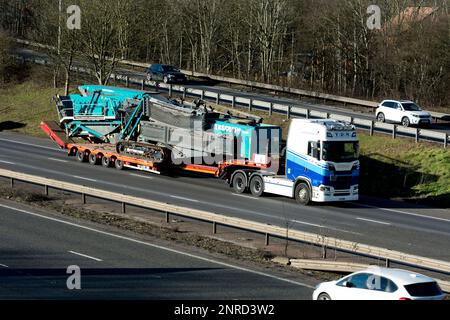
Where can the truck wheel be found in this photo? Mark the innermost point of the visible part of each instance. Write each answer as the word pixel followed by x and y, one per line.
pixel 239 183
pixel 106 162
pixel 81 157
pixel 118 164
pixel 303 194
pixel 257 186
pixel 93 160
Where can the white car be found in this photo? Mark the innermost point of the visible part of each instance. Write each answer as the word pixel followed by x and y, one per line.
pixel 405 112
pixel 377 283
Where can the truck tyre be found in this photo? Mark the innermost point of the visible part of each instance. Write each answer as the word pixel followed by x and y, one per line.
pixel 303 194
pixel 81 157
pixel 257 186
pixel 106 162
pixel 93 160
pixel 239 183
pixel 118 164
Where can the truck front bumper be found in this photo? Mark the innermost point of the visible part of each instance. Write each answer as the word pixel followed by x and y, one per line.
pixel 335 196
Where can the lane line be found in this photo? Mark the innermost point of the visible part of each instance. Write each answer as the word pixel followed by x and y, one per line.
pixel 141 176
pixel 32 145
pixel 7 162
pixel 402 212
pixel 83 178
pixel 58 160
pixel 183 198
pixel 326 227
pixel 3 265
pixel 374 221
pixel 85 256
pixel 243 196
pixel 160 247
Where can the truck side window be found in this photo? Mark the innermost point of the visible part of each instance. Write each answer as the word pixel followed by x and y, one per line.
pixel 314 150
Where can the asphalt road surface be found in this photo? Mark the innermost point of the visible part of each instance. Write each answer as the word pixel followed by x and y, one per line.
pixel 394 225
pixel 36 249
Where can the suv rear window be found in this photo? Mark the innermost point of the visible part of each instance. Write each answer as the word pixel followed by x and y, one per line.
pixel 427 289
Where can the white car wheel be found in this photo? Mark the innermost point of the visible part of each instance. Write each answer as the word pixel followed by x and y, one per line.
pixel 323 296
pixel 405 122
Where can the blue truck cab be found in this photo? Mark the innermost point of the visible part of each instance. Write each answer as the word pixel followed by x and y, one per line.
pixel 321 164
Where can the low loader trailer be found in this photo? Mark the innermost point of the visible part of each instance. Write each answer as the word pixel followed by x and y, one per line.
pixel 130 129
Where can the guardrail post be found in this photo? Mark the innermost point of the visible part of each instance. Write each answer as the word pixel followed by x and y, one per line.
pixel 83 198
pixel 233 102
pixel 167 217
pixel 324 252
pixel 143 84
pixel 271 109
pixel 124 207
pixel 388 263
pixel 445 140
pixel 184 93
pixel 250 105
pixel 12 183
pixel 214 227
pixel 289 112
pixel 46 190
pixel 328 115
pixel 267 239
pixel 218 98
pixel 203 95
pixel 308 114
pixel 127 81
pixel 170 90
pixel 352 120
pixel 394 132
pixel 372 125
pixel 417 135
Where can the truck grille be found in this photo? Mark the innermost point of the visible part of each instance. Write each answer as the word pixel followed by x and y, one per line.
pixel 341 182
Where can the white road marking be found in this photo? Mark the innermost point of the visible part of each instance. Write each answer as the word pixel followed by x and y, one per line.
pixel 325 227
pixel 402 212
pixel 57 160
pixel 33 145
pixel 160 247
pixel 83 178
pixel 85 256
pixel 183 198
pixel 7 162
pixel 374 221
pixel 3 265
pixel 141 176
pixel 243 196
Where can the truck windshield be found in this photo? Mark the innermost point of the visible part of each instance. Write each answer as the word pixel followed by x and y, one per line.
pixel 340 151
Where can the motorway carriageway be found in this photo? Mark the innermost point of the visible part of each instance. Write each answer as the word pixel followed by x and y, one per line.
pixel 393 225
pixel 36 248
